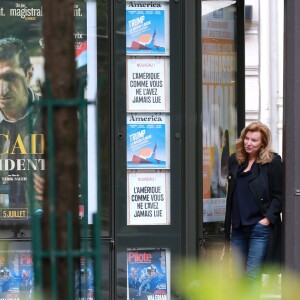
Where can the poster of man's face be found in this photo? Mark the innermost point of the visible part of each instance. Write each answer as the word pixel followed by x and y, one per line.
pixel 22 75
pixel 13 81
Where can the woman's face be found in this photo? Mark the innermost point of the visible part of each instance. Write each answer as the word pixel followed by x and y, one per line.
pixel 253 143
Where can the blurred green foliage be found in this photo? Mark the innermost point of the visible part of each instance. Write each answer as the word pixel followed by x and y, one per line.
pixel 224 280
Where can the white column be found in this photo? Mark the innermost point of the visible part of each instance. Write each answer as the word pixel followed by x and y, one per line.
pixel 271 45
pixel 280 45
pixel 265 62
pixel 91 111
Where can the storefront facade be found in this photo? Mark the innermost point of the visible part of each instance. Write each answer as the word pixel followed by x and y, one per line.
pixel 177 103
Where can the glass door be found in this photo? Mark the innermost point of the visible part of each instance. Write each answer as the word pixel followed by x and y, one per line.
pixel 219 111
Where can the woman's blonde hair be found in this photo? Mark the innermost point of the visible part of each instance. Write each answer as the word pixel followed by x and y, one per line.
pixel 265 154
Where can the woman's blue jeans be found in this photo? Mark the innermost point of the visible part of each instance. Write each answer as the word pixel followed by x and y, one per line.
pixel 251 243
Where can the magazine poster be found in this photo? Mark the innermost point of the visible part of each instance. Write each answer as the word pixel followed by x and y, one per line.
pixel 22 142
pixel 219 104
pixel 16 272
pixel 147 141
pixel 148 198
pixel 148 85
pixel 148 272
pixel 85 280
pixel 147 28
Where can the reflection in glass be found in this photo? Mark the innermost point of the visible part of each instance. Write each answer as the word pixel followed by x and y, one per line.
pixel 219 106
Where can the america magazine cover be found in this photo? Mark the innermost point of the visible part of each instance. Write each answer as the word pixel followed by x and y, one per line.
pixel 148 274
pixel 147 141
pixel 22 142
pixel 147 28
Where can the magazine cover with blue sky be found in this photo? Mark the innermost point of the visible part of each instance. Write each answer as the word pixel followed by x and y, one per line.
pixel 146 141
pixel 146 30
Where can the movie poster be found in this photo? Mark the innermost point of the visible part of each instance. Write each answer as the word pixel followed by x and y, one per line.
pixel 22 142
pixel 148 199
pixel 219 105
pixel 148 272
pixel 148 85
pixel 147 29
pixel 147 141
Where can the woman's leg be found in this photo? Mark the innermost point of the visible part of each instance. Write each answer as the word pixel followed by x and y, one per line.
pixel 257 249
pixel 240 244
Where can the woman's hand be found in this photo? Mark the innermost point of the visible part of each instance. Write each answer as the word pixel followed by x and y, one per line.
pixel 264 221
